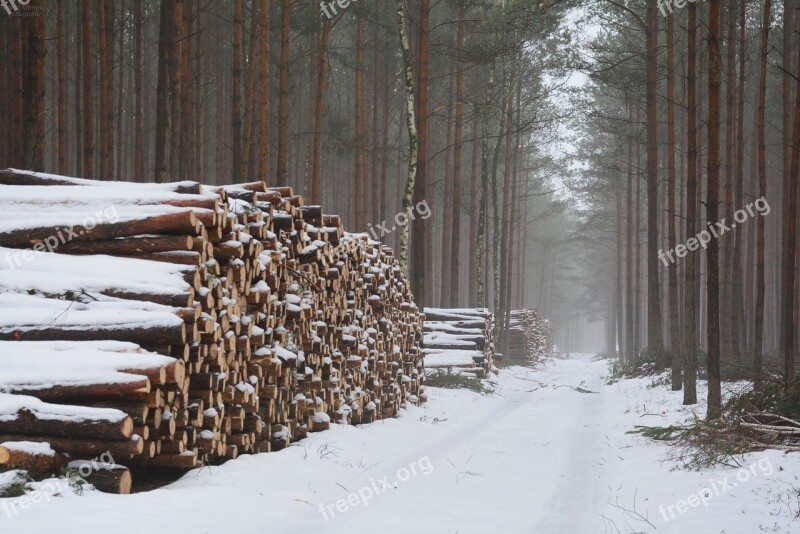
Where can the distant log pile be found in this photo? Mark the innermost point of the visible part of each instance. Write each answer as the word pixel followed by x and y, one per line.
pixel 530 336
pixel 459 339
pixel 176 325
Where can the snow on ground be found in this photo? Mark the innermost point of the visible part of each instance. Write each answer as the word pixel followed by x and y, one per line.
pixel 547 453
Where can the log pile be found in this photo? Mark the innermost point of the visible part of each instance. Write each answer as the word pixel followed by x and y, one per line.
pixel 530 336
pixel 460 339
pixel 176 325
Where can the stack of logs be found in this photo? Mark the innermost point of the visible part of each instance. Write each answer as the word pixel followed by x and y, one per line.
pixel 530 336
pixel 176 325
pixel 459 339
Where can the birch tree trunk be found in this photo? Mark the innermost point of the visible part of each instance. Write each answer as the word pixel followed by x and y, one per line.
pixel 411 122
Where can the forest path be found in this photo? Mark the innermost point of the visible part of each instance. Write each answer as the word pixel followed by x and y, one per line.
pixel 529 458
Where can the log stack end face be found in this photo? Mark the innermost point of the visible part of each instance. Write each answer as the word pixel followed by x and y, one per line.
pixel 211 321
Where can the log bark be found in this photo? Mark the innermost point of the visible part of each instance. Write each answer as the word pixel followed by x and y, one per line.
pixel 115 479
pixel 29 422
pixel 145 335
pixel 120 450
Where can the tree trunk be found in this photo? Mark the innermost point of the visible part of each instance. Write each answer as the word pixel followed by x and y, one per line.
pixel 456 239
pixel 654 339
pixel 472 281
pixel 737 287
pixel 445 264
pixel 727 324
pixel 505 214
pixel 671 214
pixel 283 99
pixel 184 79
pixel 138 111
pixel 762 187
pixel 315 186
pixel 252 96
pixel 34 35
pixel 791 248
pixel 265 94
pixel 164 103
pixel 236 97
pixel 360 222
pixel 411 122
pixel 630 343
pixel 419 252
pixel 105 42
pixel 88 83
pixel 690 351
pixel 62 90
pixel 712 208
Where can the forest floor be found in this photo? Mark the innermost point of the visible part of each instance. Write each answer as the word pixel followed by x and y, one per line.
pixel 549 451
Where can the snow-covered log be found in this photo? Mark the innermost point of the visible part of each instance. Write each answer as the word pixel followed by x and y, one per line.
pixel 258 316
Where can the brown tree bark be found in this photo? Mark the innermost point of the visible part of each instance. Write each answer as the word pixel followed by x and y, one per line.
pixel 33 42
pixel 690 351
pixel 712 207
pixel 739 329
pixel 457 150
pixel 419 246
pixel 105 42
pixel 76 91
pixel 283 98
pixel 163 170
pixel 88 82
pixel 472 280
pixel 315 186
pixel 122 127
pixel 252 96
pixel 265 94
pixel 360 204
pixel 183 23
pixel 505 220
pixel 236 97
pixel 654 337
pixel 374 174
pixel 631 256
pixel 17 137
pixel 447 204
pixel 138 110
pixel 61 58
pixel 790 247
pixel 671 213
pixel 762 187
pixel 727 322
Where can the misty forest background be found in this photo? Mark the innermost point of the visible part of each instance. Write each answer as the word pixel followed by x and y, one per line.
pixel 560 144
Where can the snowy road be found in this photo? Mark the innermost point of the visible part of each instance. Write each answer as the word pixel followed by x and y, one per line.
pixel 546 453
